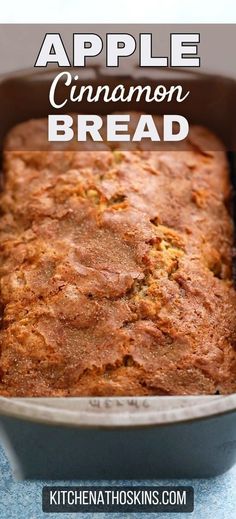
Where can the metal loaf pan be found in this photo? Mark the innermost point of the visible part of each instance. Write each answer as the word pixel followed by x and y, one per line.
pixel 121 438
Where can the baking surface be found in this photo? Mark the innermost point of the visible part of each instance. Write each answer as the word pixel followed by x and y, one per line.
pixel 216 496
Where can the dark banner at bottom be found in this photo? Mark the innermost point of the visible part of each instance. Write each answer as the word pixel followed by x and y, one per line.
pixel 117 499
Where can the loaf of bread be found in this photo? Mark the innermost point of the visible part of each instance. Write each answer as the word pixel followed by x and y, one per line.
pixel 116 270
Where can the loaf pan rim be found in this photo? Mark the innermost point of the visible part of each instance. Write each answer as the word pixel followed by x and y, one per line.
pixel 9 406
pixel 25 409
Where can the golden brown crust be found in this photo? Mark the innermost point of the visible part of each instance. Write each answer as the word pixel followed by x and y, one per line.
pixel 116 271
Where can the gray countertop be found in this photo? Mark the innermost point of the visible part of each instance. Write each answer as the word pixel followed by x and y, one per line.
pixel 214 498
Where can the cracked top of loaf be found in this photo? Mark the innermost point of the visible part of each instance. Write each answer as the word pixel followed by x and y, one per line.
pixel 116 270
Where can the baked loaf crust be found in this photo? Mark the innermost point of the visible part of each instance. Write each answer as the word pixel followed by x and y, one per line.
pixel 115 270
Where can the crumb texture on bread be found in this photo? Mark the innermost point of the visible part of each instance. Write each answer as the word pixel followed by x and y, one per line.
pixel 116 271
